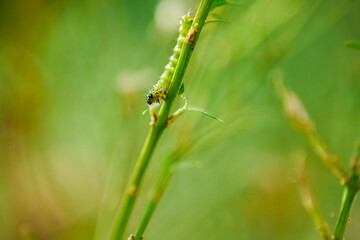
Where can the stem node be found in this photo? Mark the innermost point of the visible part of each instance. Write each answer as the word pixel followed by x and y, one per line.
pixel 132 190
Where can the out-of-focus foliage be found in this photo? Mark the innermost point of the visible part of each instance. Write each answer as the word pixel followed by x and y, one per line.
pixel 73 80
pixel 352 44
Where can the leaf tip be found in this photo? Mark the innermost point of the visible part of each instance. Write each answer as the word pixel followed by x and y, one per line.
pixel 352 44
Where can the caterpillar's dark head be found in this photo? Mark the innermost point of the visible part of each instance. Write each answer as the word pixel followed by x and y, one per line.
pixel 149 98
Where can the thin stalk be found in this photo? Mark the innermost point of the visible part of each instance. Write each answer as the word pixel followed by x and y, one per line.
pixel 349 195
pixel 156 195
pixel 309 201
pixel 157 127
pixel 351 189
pixel 329 160
pixel 298 115
pixel 132 189
pixel 160 186
pixel 184 58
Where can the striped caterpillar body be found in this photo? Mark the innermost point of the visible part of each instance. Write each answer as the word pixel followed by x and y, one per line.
pixel 160 89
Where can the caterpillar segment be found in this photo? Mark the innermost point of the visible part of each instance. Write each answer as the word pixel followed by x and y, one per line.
pixel 160 89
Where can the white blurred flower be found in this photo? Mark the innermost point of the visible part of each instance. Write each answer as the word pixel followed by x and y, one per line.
pixel 128 82
pixel 168 14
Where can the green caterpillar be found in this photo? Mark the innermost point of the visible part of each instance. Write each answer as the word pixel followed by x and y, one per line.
pixel 160 89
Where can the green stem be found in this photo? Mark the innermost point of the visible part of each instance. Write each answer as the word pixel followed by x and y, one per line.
pixel 132 189
pixel 153 201
pixel 157 128
pixel 329 160
pixel 184 58
pixel 310 204
pixel 349 195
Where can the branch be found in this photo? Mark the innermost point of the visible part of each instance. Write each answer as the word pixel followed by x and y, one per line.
pixel 297 114
pixel 157 127
pixel 155 197
pixel 308 199
pixel 184 59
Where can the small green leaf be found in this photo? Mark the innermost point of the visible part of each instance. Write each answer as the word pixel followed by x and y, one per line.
pixel 181 90
pixel 352 44
pixel 215 15
pixel 195 109
pixel 246 3
pixel 216 21
pixel 185 165
pixel 218 3
pixel 216 18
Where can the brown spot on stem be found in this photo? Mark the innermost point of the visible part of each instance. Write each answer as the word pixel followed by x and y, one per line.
pixel 132 190
pixel 157 196
pixel 190 37
pixel 153 117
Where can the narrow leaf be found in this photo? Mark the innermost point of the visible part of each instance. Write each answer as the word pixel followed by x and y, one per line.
pixel 195 109
pixel 217 21
pixel 218 3
pixel 215 15
pixel 181 90
pixel 243 3
pixel 185 165
pixel 352 44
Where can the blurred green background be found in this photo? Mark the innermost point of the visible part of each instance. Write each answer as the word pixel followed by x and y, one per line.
pixel 73 81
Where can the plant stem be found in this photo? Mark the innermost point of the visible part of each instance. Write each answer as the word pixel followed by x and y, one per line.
pixel 153 201
pixel 349 195
pixel 329 160
pixel 298 115
pixel 309 201
pixel 184 58
pixel 351 189
pixel 157 127
pixel 135 181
